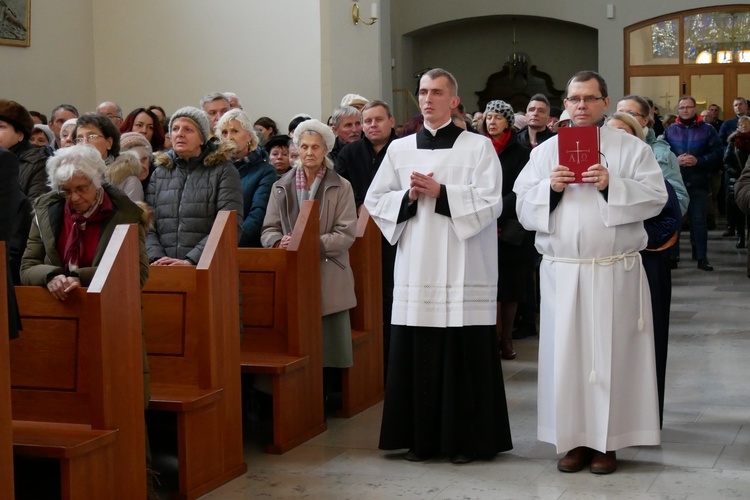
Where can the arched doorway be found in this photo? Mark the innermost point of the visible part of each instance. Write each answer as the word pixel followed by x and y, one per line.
pixel 704 53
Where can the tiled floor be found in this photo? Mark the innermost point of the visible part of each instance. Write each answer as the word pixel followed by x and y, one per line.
pixel 705 450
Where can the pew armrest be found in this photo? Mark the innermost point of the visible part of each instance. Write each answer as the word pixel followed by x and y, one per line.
pixel 181 398
pixel 271 363
pixel 58 440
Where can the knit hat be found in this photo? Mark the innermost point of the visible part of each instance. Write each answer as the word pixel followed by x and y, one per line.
pixel 130 140
pixel 47 131
pixel 18 116
pixel 353 100
pixel 503 108
pixel 316 126
pixel 197 116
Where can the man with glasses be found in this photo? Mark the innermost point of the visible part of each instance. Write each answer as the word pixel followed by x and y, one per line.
pixel 111 111
pixel 698 150
pixel 597 388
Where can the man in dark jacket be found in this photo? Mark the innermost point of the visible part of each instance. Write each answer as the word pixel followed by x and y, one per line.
pixel 346 123
pixel 730 126
pixel 10 198
pixel 698 150
pixel 537 115
pixel 358 161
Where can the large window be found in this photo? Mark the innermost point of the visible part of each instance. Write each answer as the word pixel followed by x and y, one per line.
pixel 704 53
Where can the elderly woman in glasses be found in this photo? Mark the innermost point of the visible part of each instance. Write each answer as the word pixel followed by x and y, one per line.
pixel 74 223
pixel 313 178
pixel 99 132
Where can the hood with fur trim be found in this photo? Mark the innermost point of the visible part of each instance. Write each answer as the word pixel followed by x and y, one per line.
pixel 213 154
pixel 124 166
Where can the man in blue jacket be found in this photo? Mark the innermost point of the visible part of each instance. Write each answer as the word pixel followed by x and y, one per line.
pixel 698 150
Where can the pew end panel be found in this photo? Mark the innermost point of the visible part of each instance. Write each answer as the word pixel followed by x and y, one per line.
pixel 363 382
pixel 6 415
pixel 191 322
pixel 86 406
pixel 283 329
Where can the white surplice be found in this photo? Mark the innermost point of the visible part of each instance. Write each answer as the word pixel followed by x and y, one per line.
pixel 597 380
pixel 446 267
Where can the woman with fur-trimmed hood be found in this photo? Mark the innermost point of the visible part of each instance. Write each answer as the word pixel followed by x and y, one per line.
pixel 191 184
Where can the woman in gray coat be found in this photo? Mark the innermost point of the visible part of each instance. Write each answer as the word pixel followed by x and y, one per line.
pixel 313 178
pixel 191 183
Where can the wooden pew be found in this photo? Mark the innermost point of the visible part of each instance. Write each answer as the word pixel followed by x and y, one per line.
pixel 191 323
pixel 6 434
pixel 282 329
pixel 77 375
pixel 363 381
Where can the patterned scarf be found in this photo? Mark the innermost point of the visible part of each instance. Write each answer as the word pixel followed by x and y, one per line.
pixel 303 193
pixel 75 254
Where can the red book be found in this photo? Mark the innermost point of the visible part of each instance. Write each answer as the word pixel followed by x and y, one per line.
pixel 578 148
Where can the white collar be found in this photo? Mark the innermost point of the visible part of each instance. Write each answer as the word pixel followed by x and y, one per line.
pixel 434 131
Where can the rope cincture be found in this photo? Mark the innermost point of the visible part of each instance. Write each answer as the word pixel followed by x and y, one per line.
pixel 627 258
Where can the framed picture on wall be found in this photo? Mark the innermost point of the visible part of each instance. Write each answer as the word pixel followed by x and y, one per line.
pixel 15 22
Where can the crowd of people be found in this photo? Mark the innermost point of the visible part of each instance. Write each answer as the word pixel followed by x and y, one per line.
pixel 478 216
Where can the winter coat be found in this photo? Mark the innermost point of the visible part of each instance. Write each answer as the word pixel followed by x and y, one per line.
pixel 338 226
pixel 123 173
pixel 33 170
pixel 700 140
pixel 523 136
pixel 734 158
pixel 358 163
pixel 11 198
pixel 186 196
pixel 41 260
pixel 257 177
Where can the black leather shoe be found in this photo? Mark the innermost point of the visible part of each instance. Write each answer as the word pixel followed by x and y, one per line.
pixel 462 458
pixel 703 265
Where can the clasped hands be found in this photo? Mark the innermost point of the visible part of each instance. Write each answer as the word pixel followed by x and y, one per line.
pixel 169 261
pixel 423 183
pixel 561 176
pixel 60 286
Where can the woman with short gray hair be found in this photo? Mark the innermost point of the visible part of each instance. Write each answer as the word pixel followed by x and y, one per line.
pixel 73 223
pixel 313 178
pixel 257 175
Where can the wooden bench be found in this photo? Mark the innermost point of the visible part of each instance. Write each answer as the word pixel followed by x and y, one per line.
pixel 77 378
pixel 6 433
pixel 282 329
pixel 192 328
pixel 363 381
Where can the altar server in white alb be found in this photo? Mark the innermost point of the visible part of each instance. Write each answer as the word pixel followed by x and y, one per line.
pixel 597 380
pixel 437 195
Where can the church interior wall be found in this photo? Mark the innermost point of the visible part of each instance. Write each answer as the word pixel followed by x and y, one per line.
pixel 416 15
pixel 285 57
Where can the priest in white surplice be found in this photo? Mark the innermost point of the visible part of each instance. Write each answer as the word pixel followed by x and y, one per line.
pixel 437 196
pixel 597 380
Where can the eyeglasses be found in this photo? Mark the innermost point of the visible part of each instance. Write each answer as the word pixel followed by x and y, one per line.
pixel 631 113
pixel 88 138
pixel 685 108
pixel 80 190
pixel 589 99
pixel 113 116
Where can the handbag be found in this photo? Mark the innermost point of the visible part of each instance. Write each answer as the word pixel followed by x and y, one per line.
pixel 512 232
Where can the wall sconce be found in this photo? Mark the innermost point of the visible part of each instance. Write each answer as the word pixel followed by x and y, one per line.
pixel 373 14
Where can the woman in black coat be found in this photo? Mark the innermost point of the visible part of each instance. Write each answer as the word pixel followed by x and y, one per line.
pixel 515 244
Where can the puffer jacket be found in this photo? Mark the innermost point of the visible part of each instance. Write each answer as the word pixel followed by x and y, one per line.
pixel 123 173
pixel 338 226
pixel 41 260
pixel 33 170
pixel 257 177
pixel 186 196
pixel 700 140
